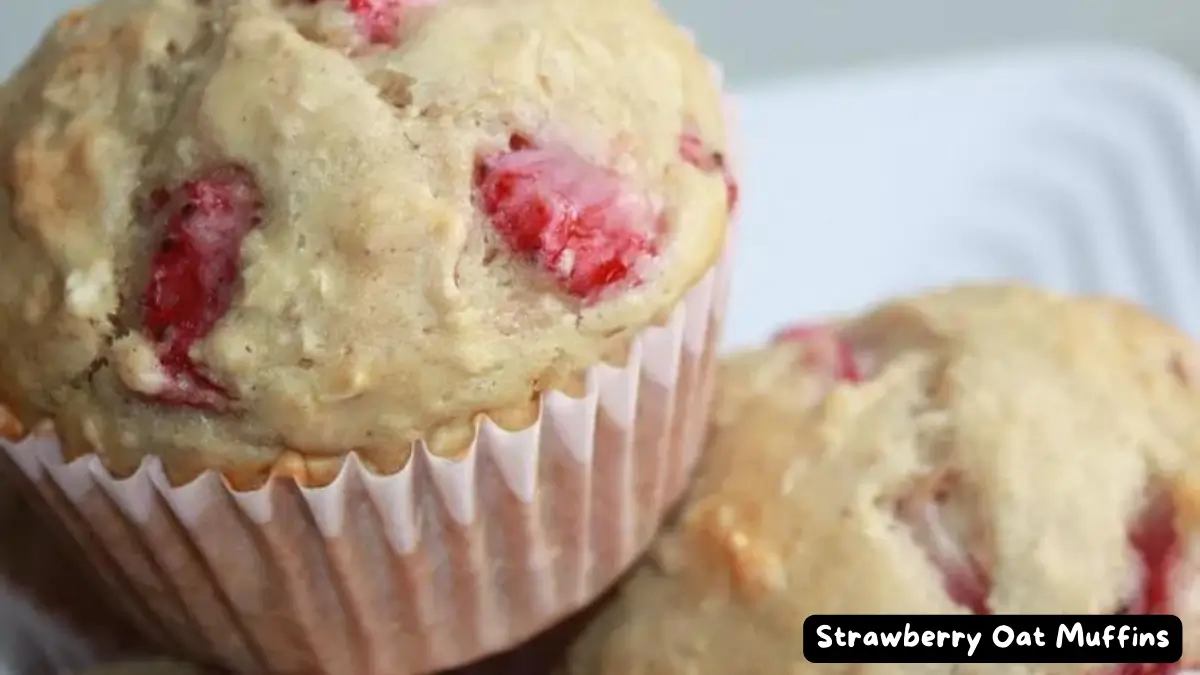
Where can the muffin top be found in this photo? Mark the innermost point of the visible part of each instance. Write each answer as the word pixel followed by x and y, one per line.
pixel 981 449
pixel 238 229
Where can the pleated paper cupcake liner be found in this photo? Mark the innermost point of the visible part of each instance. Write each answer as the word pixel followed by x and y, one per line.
pixel 436 565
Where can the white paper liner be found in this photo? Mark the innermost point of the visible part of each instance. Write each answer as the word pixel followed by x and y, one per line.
pixel 436 565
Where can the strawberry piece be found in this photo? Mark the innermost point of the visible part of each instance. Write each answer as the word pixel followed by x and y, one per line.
pixel 966 583
pixel 378 21
pixel 1157 544
pixel 944 539
pixel 1159 550
pixel 575 219
pixel 825 350
pixel 193 274
pixel 693 151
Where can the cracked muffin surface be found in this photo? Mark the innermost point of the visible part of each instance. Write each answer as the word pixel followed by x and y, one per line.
pixel 237 231
pixel 983 449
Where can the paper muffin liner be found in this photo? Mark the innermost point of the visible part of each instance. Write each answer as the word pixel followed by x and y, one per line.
pixel 443 562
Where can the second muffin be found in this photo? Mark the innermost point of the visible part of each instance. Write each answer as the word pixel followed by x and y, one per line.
pixel 984 449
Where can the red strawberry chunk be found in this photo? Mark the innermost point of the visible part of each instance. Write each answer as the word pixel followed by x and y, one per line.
pixel 941 530
pixel 193 274
pixel 378 21
pixel 940 521
pixel 966 584
pixel 694 152
pixel 1155 540
pixel 577 220
pixel 826 350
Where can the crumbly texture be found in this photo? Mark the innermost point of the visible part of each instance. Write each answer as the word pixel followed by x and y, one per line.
pixel 259 233
pixel 998 449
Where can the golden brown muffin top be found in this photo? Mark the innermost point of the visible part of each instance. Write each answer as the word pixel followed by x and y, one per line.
pixel 235 227
pixel 982 449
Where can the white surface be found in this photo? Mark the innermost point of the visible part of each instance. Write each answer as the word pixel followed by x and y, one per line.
pixel 761 39
pixel 1079 170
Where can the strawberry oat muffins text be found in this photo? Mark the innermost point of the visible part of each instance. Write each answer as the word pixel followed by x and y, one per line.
pixel 309 303
pixel 985 449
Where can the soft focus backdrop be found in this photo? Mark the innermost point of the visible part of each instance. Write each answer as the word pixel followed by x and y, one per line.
pixel 762 39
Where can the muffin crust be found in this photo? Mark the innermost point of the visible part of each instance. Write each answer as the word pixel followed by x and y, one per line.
pixel 371 296
pixel 999 449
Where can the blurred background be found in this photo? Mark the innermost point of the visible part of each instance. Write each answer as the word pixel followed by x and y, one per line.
pixel 767 39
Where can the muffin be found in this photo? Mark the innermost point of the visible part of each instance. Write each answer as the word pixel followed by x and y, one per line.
pixel 979 449
pixel 356 336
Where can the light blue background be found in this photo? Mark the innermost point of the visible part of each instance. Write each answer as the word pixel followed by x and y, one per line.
pixel 759 39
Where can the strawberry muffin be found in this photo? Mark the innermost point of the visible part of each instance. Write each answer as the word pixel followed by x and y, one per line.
pixel 357 336
pixel 985 449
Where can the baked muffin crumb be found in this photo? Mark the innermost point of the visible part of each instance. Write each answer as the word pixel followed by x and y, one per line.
pixel 247 229
pixel 987 448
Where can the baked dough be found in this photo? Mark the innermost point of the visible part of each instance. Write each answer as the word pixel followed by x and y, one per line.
pixel 240 231
pixel 982 449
